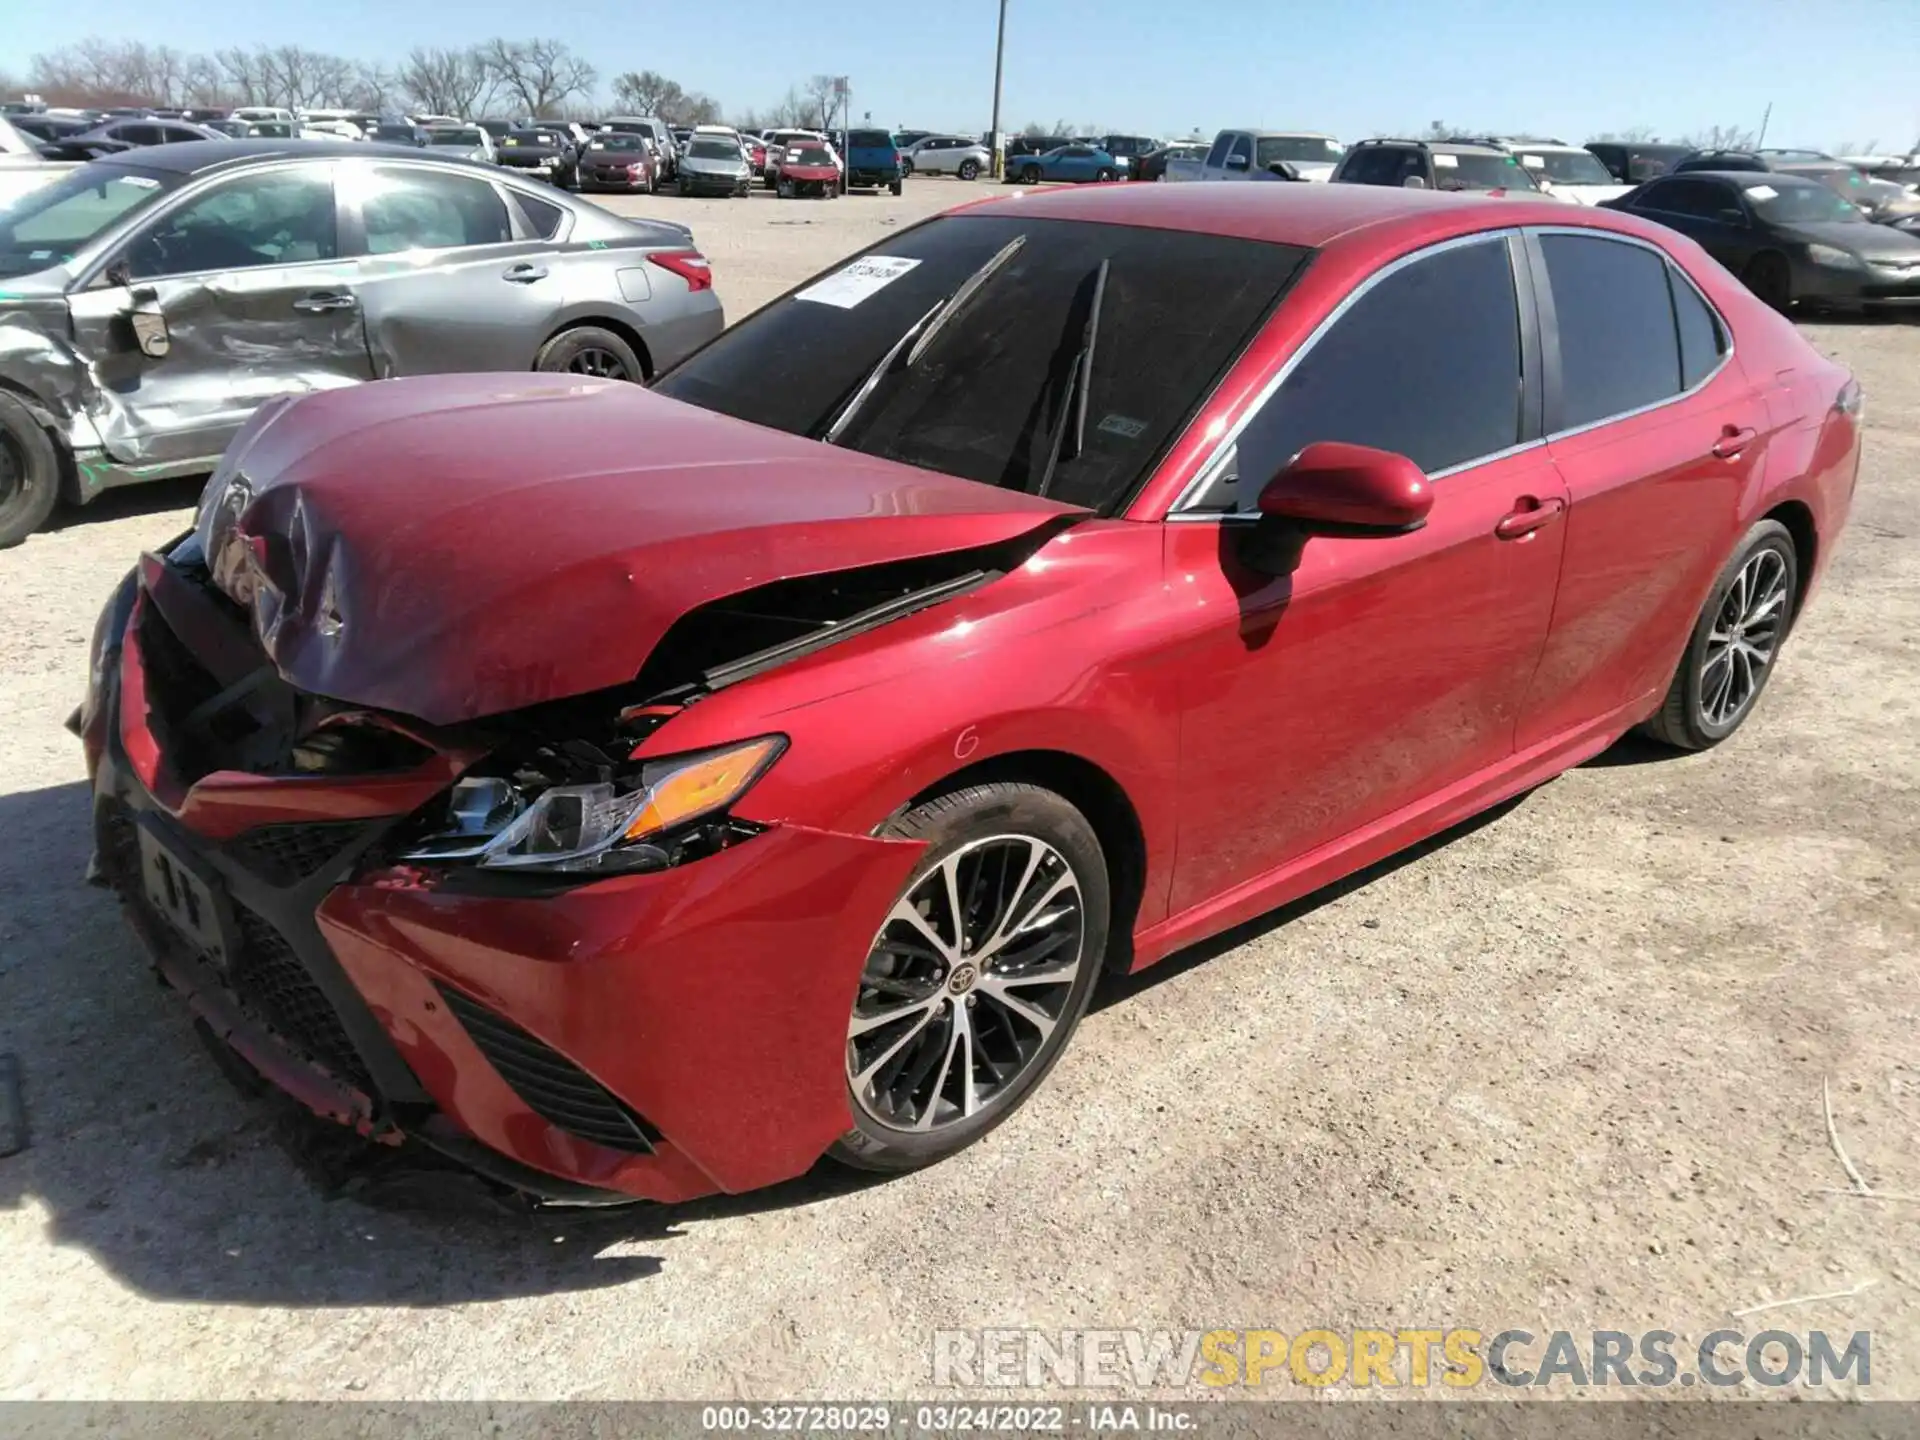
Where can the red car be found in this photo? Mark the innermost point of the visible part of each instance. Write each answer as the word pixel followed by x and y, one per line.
pixel 807 169
pixel 613 161
pixel 648 792
pixel 756 149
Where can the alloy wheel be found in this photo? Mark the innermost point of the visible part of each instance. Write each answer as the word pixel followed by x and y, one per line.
pixel 603 364
pixel 966 983
pixel 1744 637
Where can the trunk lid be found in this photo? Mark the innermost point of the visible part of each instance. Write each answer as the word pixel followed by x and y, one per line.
pixel 451 547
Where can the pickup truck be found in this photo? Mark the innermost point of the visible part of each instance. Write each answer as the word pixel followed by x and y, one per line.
pixel 1256 154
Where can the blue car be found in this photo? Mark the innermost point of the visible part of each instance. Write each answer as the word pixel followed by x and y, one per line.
pixel 1063 163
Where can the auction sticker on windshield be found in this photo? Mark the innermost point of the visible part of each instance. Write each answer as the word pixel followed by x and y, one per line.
pixel 1763 192
pixel 864 277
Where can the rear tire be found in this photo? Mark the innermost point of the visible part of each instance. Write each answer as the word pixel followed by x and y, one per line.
pixel 29 473
pixel 1770 278
pixel 784 189
pixel 1102 176
pixel 1735 644
pixel 897 186
pixel 1014 853
pixel 590 350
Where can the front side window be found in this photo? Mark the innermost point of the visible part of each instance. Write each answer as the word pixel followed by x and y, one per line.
pixel 1618 347
pixel 429 210
pixel 1217 156
pixel 986 399
pixel 1243 149
pixel 1425 363
pixel 277 217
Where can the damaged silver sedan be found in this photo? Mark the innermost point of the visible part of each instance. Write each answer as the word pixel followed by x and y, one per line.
pixel 150 302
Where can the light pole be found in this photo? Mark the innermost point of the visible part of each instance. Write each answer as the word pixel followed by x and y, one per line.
pixel 999 59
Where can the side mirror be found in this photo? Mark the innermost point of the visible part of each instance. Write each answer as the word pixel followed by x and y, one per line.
pixel 1236 162
pixel 1333 488
pixel 150 325
pixel 1414 182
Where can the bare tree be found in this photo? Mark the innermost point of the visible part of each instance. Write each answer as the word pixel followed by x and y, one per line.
pixel 647 92
pixel 1721 137
pixel 448 82
pixel 1636 135
pixel 818 99
pixel 375 89
pixel 698 109
pixel 541 74
pixel 244 76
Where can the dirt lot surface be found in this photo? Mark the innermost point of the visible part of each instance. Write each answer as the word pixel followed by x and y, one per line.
pixel 1562 1070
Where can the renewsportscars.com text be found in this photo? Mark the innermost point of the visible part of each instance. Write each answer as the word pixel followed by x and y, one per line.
pixel 1457 1358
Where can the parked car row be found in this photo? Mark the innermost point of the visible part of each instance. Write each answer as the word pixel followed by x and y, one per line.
pixel 155 298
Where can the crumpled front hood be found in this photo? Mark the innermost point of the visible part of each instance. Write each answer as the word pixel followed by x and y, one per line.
pixel 457 546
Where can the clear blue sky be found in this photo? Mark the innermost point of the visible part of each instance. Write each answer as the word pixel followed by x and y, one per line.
pixel 1352 67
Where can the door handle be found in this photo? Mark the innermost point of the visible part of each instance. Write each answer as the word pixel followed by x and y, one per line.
pixel 1529 515
pixel 1733 439
pixel 321 301
pixel 524 274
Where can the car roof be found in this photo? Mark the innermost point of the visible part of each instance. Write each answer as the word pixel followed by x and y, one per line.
pixel 1314 216
pixel 196 157
pixel 1779 179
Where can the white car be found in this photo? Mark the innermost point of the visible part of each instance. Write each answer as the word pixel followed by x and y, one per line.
pixel 312 129
pixel 1252 154
pixel 21 167
pixel 949 155
pixel 1567 172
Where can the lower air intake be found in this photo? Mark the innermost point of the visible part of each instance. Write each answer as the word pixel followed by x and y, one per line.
pixel 553 1087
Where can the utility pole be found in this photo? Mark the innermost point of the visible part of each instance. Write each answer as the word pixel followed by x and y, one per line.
pixel 999 59
pixel 1763 126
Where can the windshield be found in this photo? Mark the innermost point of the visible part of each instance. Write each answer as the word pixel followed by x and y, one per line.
pixel 394 132
pixel 1480 172
pixel 985 398
pixel 1310 148
pixel 1785 202
pixel 809 155
pixel 1566 167
pixel 615 142
pixel 47 226
pixel 714 150
pixel 870 140
pixel 468 138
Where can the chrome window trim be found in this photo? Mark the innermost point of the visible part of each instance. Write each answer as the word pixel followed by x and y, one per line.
pixel 1673 268
pixel 1224 447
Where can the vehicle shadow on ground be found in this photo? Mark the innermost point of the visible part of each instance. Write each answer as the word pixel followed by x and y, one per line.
pixel 184 1189
pixel 131 501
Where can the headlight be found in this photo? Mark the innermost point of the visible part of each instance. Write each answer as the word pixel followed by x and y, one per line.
pixel 1831 255
pixel 602 827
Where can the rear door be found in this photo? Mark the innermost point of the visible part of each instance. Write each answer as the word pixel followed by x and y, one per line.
pixel 1659 434
pixel 1380 670
pixel 258 302
pixel 451 278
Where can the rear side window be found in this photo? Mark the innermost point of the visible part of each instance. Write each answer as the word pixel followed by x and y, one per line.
pixel 1426 364
pixel 1177 309
pixel 1618 347
pixel 543 215
pixel 1702 338
pixel 430 210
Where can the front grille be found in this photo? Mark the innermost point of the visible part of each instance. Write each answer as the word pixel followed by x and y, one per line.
pixel 553 1087
pixel 288 854
pixel 269 981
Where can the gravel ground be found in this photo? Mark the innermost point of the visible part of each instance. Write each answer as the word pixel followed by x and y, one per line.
pixel 1562 1070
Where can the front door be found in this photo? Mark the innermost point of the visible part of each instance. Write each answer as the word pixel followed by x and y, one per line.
pixel 258 303
pixel 1379 670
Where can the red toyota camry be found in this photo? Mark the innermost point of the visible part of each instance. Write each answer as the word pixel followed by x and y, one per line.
pixel 647 792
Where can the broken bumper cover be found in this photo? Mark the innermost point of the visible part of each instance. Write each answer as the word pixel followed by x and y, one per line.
pixel 659 1036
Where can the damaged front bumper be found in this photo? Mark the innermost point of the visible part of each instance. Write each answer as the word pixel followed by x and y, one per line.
pixel 660 1035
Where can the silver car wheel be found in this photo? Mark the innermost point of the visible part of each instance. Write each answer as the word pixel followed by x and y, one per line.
pixel 602 364
pixel 966 983
pixel 1744 637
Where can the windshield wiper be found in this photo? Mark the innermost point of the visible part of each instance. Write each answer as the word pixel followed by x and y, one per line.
pixel 924 330
pixel 1073 405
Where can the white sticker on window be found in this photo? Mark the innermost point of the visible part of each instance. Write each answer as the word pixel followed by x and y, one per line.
pixel 1762 192
pixel 140 182
pixel 1534 162
pixel 864 277
pixel 1124 426
pixel 1447 162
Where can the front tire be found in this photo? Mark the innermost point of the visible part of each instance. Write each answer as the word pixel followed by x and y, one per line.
pixel 978 975
pixel 968 170
pixel 1103 176
pixel 1735 643
pixel 29 473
